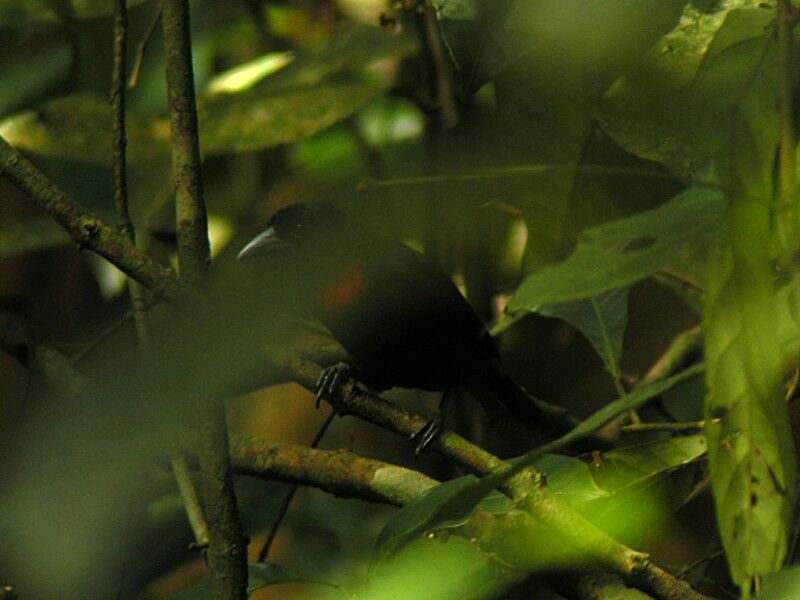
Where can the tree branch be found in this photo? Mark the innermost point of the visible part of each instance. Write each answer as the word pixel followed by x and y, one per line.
pixel 87 230
pixel 339 472
pixel 227 547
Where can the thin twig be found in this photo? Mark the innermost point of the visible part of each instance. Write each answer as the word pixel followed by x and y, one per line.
pixel 642 427
pixel 140 49
pixel 191 502
pixel 87 230
pixel 120 51
pixel 284 508
pixel 443 71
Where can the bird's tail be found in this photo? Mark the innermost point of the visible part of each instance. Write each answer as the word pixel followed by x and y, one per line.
pixel 535 413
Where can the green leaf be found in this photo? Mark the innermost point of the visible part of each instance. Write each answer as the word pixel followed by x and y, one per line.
pixel 602 319
pixel 569 479
pixel 78 126
pixel 21 13
pixel 449 504
pixel 751 455
pixel 454 501
pixel 29 235
pixel 780 585
pixel 627 467
pixel 259 575
pixel 432 568
pixel 590 39
pixel 668 109
pixel 622 252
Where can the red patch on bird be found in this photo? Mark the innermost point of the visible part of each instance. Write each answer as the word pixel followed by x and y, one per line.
pixel 344 291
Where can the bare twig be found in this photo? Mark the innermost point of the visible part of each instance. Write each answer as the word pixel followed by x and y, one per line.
pixel 140 49
pixel 287 501
pixel 87 230
pixel 135 290
pixel 191 502
pixel 443 71
pixel 227 547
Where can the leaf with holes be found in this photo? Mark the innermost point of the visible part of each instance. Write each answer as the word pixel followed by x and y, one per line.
pixel 620 253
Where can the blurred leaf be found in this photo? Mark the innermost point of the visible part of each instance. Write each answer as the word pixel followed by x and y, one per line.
pixel 452 568
pixel 29 235
pixel 486 36
pixel 602 319
pixel 676 107
pixel 244 76
pixel 352 50
pixel 78 126
pixel 449 504
pixel 32 73
pixel 620 253
pixel 259 575
pixel 685 401
pixel 781 585
pixel 569 479
pixel 627 467
pixel 21 13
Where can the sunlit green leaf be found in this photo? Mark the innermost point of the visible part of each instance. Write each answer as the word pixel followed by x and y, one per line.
pixel 780 585
pixel 620 253
pixel 569 479
pixel 627 467
pixel 452 568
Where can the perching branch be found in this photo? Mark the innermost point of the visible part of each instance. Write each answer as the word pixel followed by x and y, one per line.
pixel 227 544
pixel 87 230
pixel 339 472
pixel 529 492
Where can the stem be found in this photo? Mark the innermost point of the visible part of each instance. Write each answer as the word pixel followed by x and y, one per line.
pixel 140 49
pixel 119 142
pixel 227 548
pixel 194 511
pixel 443 72
pixel 87 230
pixel 287 501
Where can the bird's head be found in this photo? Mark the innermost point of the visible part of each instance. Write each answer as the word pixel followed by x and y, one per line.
pixel 297 225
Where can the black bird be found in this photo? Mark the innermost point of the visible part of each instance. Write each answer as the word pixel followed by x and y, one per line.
pixel 400 318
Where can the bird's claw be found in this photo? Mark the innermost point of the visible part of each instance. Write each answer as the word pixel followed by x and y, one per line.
pixel 330 382
pixel 428 433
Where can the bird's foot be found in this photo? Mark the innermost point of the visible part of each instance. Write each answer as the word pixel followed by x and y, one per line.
pixel 428 433
pixel 329 384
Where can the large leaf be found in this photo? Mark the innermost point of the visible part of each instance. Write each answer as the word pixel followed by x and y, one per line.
pixel 665 109
pixel 78 126
pixel 750 448
pixel 602 319
pixel 620 253
pixel 486 36
pixel 627 467
pixel 21 13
